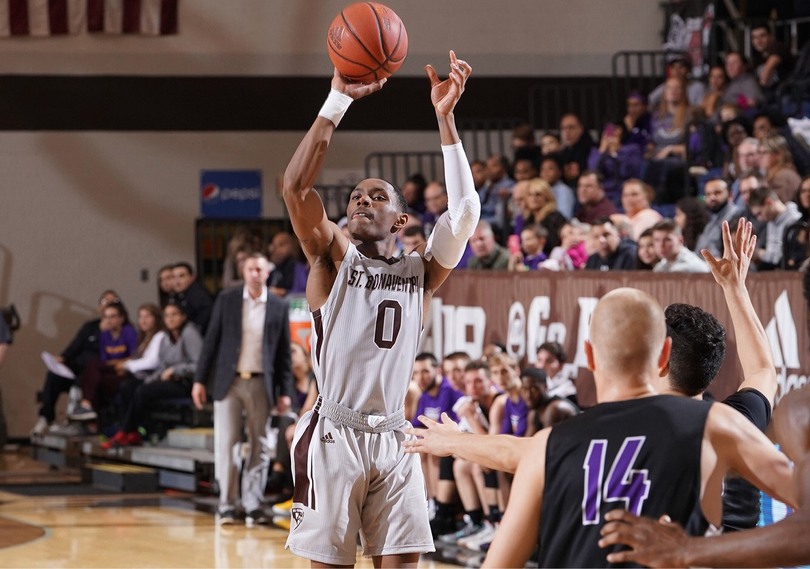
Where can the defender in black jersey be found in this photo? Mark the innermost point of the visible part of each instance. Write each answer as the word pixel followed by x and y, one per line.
pixel 633 451
pixel 783 544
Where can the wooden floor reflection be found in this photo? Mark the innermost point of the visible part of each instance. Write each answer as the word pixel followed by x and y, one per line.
pixel 119 530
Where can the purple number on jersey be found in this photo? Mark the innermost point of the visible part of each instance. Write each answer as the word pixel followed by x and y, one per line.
pixel 623 482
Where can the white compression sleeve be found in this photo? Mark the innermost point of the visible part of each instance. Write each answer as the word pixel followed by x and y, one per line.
pixel 456 225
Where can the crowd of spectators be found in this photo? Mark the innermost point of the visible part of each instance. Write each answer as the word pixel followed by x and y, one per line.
pixel 681 160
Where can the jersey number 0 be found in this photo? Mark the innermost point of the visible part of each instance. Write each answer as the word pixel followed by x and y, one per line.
pixel 388 324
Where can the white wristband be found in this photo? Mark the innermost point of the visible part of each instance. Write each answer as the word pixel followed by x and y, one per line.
pixel 335 106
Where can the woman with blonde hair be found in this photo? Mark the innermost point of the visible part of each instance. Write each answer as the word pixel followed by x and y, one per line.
pixel 776 163
pixel 540 207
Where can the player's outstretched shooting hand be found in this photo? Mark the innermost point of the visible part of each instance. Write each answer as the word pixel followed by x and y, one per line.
pixel 355 90
pixel 732 268
pixel 445 94
pixel 436 438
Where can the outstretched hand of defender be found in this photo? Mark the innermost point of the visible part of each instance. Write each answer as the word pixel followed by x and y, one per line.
pixel 732 268
pixel 355 90
pixel 445 94
pixel 652 543
pixel 436 438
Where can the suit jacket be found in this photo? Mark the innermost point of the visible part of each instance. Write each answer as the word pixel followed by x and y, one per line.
pixel 223 341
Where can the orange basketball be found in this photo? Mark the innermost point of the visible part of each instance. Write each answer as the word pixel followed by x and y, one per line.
pixel 367 41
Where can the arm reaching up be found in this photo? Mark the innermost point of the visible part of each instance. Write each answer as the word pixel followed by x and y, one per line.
pixel 730 272
pixel 452 230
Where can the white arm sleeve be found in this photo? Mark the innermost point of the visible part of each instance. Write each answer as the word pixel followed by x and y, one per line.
pixel 455 226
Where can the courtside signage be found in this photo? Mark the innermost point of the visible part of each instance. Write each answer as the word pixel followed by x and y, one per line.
pixel 231 193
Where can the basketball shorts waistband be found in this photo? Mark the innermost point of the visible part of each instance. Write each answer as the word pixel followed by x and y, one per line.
pixel 356 420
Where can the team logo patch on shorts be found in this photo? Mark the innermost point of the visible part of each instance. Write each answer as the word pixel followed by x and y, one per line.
pixel 328 438
pixel 298 515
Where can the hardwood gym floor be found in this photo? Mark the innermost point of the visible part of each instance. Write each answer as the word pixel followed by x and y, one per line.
pixel 48 519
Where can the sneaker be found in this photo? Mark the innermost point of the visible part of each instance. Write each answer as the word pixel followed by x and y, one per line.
pixel 468 529
pixel 119 439
pixel 82 413
pixel 256 517
pixel 73 429
pixel 441 526
pixel 282 509
pixel 40 427
pixel 226 517
pixel 134 439
pixel 474 541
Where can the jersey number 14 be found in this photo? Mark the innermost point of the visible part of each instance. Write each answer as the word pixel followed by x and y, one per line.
pixel 622 484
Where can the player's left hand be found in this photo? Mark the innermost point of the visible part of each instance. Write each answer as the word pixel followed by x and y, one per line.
pixel 445 94
pixel 652 543
pixel 436 438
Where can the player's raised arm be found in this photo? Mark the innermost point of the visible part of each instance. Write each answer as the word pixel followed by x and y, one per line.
pixel 310 223
pixel 452 230
pixel 730 271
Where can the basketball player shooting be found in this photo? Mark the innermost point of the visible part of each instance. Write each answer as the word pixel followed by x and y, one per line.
pixel 352 475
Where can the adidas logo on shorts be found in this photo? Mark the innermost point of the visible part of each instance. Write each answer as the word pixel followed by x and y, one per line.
pixel 328 438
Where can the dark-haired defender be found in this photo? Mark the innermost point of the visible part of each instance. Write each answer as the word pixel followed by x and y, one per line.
pixel 352 476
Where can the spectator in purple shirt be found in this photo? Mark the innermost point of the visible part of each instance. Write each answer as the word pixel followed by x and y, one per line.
pixel 118 341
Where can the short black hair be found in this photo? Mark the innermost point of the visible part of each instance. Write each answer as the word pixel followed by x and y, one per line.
pixel 537 375
pixel 555 349
pixel 184 265
pixel 427 356
pixel 698 347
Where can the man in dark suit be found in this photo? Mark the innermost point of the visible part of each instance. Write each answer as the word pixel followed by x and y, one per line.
pixel 247 347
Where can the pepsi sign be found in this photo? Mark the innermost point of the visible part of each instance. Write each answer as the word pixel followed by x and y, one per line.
pixel 231 193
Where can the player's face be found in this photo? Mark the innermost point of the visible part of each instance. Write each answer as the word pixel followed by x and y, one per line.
pixel 373 210
pixel 548 363
pixel 476 383
pixel 424 374
pixel 454 371
pixel 532 391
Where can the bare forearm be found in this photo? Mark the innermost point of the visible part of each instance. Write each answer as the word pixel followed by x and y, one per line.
pixel 783 544
pixel 308 158
pixel 447 128
pixel 497 452
pixel 753 347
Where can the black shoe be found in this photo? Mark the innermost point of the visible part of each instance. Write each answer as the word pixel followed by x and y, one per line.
pixel 442 526
pixel 226 518
pixel 256 517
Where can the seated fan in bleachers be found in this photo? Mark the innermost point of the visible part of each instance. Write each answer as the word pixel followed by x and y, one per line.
pixel 172 379
pixel 100 381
